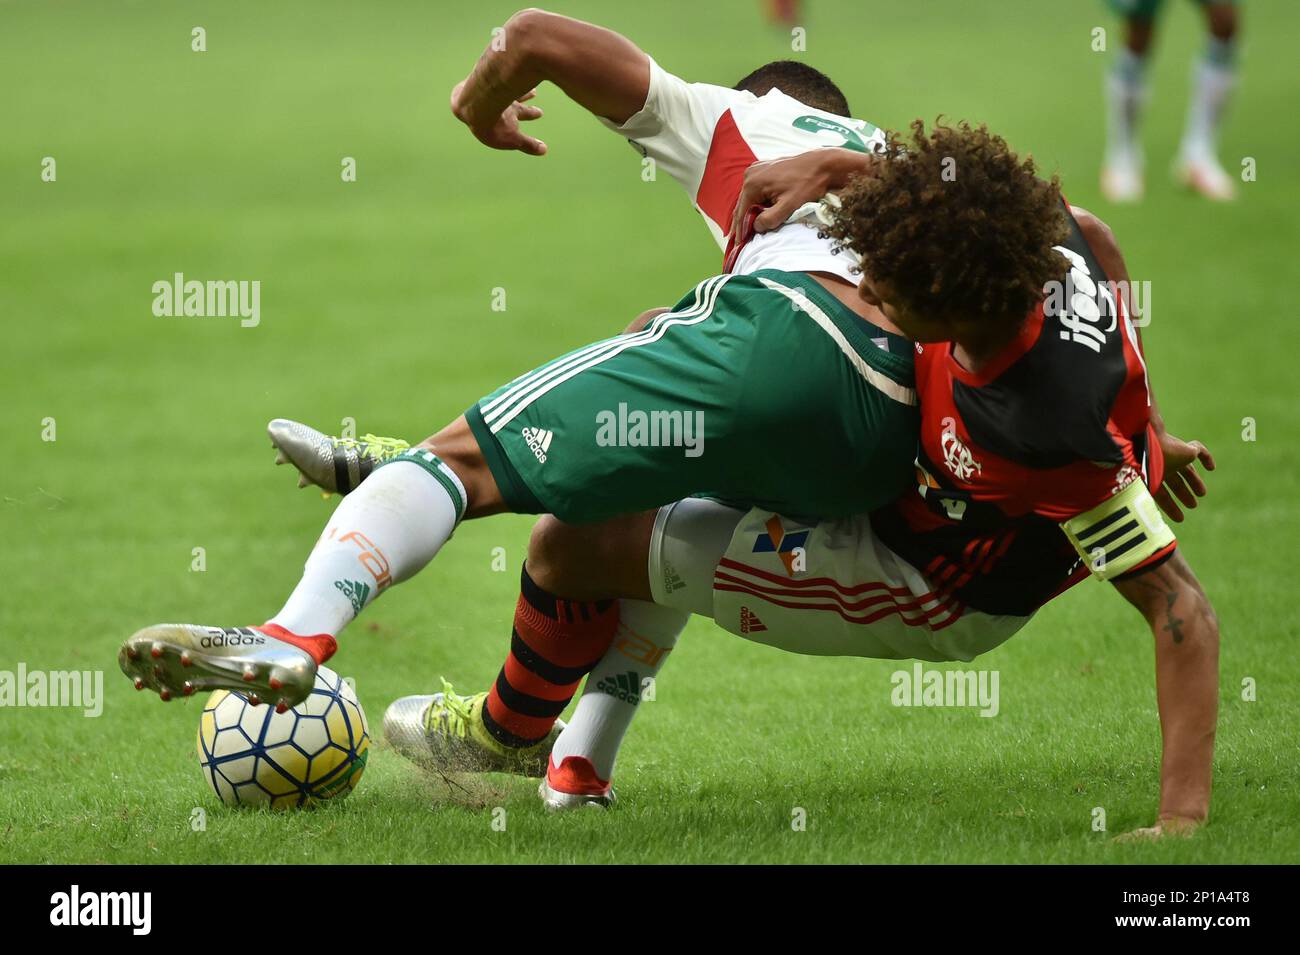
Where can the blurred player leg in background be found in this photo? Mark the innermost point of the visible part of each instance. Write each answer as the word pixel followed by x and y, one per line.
pixel 1126 94
pixel 1213 77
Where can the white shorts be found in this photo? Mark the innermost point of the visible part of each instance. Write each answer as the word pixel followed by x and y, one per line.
pixel 829 588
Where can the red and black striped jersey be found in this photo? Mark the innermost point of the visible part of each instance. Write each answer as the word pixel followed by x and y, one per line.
pixel 1024 468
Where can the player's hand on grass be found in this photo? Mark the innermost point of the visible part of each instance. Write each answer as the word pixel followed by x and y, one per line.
pixel 1182 481
pixel 1164 828
pixel 501 131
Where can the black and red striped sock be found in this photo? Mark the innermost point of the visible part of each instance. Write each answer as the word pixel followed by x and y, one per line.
pixel 554 644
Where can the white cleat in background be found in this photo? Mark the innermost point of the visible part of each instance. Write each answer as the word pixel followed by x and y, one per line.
pixel 1204 175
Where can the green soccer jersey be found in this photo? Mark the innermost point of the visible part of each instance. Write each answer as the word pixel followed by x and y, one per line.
pixel 760 389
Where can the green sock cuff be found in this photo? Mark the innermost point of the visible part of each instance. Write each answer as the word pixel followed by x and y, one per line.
pixel 444 475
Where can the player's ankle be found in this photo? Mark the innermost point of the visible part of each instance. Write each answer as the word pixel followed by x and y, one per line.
pixel 320 646
pixel 577 776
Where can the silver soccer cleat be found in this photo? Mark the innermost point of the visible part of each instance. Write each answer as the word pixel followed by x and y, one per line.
pixel 180 659
pixel 336 465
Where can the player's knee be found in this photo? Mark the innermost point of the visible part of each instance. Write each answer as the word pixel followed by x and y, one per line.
pixel 592 561
pixel 457 448
pixel 1223 20
pixel 1138 34
pixel 555 555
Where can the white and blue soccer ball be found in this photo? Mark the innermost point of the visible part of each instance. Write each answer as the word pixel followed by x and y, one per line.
pixel 254 756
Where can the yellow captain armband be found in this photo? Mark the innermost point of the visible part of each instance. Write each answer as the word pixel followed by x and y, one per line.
pixel 1120 533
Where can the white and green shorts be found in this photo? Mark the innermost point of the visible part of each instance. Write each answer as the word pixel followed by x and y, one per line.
pixel 760 388
pixel 828 588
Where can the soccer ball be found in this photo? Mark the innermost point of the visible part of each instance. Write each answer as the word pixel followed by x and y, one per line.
pixel 254 756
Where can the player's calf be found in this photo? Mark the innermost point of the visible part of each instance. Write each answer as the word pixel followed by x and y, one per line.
pixel 382 534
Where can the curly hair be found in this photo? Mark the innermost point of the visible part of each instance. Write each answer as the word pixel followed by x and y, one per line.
pixel 956 223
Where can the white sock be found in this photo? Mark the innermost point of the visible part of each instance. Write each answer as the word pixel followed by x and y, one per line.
pixel 1126 93
pixel 1213 78
pixel 646 634
pixel 383 533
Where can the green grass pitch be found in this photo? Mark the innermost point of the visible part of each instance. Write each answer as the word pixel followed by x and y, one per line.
pixel 377 305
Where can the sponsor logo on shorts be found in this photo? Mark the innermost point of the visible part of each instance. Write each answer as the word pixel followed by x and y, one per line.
pixel 789 546
pixel 231 637
pixel 538 441
pixel 749 622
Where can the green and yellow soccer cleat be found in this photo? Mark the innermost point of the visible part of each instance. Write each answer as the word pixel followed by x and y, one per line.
pixel 445 731
pixel 336 465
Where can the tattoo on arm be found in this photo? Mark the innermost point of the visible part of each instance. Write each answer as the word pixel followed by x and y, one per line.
pixel 1172 622
pixel 1159 590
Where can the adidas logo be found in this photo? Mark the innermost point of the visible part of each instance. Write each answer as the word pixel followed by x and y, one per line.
pixel 749 622
pixel 230 637
pixel 538 441
pixel 355 591
pixel 625 687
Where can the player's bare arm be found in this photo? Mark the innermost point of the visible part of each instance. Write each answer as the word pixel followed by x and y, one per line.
pixel 1186 633
pixel 597 68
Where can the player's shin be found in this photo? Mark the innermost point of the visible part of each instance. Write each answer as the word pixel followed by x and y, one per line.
pixel 1213 79
pixel 380 535
pixel 582 760
pixel 1126 93
pixel 686 542
pixel 383 533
